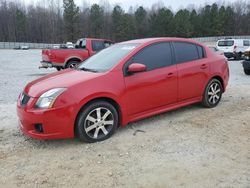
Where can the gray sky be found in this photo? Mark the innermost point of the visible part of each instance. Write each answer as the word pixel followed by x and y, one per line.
pixel 125 4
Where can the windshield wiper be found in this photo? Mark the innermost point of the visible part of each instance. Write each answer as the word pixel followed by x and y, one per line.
pixel 89 70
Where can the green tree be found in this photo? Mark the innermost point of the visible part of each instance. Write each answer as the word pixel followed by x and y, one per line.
pixel 229 21
pixel 128 31
pixel 96 21
pixel 183 26
pixel 141 22
pixel 195 21
pixel 20 25
pixel 71 19
pixel 161 23
pixel 206 21
pixel 216 22
pixel 117 19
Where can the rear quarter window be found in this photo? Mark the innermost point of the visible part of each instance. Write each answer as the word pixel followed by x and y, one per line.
pixel 97 45
pixel 185 52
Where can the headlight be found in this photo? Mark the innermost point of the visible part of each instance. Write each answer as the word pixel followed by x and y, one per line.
pixel 47 99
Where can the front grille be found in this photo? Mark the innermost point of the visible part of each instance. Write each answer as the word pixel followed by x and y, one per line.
pixel 24 99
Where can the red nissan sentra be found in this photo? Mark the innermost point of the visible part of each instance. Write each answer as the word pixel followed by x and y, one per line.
pixel 126 82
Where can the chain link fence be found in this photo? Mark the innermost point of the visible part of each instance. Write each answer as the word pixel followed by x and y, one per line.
pixel 16 45
pixel 12 45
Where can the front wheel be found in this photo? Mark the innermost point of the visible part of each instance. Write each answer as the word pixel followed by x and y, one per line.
pixel 97 122
pixel 247 71
pixel 212 94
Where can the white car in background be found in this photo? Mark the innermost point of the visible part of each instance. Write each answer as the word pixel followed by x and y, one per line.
pixel 25 47
pixel 233 47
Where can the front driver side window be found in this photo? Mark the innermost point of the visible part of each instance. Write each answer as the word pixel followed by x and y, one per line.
pixel 154 56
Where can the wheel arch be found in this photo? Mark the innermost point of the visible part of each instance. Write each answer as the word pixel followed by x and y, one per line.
pixel 220 79
pixel 75 58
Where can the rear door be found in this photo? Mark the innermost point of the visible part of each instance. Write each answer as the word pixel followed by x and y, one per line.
pixel 155 87
pixel 193 70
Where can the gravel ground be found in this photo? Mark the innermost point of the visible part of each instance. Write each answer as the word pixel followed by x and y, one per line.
pixel 189 147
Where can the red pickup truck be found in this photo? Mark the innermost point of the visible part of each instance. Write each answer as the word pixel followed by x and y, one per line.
pixel 69 58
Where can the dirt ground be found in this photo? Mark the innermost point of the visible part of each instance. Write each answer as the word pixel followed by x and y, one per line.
pixel 189 147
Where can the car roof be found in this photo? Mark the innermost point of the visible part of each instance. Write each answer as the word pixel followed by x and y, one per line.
pixel 159 39
pixel 95 39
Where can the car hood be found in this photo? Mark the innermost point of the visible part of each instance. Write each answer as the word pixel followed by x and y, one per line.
pixel 65 79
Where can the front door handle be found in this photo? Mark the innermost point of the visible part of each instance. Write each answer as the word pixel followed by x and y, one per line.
pixel 203 66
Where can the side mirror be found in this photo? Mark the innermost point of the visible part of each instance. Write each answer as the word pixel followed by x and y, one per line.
pixel 136 67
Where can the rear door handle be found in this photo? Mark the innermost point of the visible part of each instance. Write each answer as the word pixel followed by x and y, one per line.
pixel 170 75
pixel 203 66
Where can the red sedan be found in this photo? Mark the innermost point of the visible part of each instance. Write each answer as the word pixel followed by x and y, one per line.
pixel 124 83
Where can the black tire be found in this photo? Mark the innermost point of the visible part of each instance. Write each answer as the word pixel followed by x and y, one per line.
pixel 72 64
pixel 212 94
pixel 59 68
pixel 247 71
pixel 88 124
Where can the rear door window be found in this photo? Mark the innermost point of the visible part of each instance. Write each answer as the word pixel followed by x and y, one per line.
pixel 154 56
pixel 185 52
pixel 226 43
pixel 97 45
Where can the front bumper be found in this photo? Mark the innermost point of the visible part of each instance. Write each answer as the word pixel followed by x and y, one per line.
pixel 57 123
pixel 49 64
pixel 46 64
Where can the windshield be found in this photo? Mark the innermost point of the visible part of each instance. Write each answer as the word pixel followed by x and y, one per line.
pixel 107 58
pixel 226 43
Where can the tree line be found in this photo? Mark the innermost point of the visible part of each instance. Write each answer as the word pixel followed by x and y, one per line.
pixel 56 21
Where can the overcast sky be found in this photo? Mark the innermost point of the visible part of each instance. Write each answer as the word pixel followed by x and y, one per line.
pixel 175 4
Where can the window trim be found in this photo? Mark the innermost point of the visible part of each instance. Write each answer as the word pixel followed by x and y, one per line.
pixel 125 66
pixel 196 46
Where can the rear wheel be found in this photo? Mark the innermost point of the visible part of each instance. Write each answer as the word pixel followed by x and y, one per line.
pixel 212 94
pixel 97 122
pixel 72 64
pixel 247 71
pixel 58 68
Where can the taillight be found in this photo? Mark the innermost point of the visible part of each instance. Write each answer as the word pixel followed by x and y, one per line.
pixel 51 55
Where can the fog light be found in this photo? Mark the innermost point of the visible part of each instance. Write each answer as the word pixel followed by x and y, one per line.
pixel 39 127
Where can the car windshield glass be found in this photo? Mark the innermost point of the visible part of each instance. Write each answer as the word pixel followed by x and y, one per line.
pixel 107 58
pixel 226 43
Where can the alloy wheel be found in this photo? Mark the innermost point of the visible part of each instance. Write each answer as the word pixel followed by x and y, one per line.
pixel 214 93
pixel 98 123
